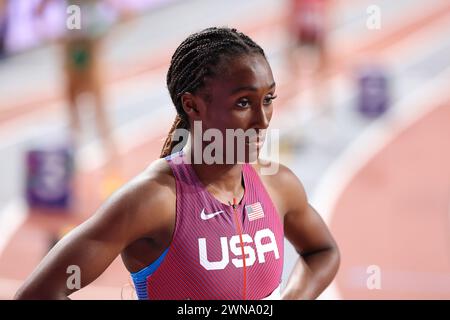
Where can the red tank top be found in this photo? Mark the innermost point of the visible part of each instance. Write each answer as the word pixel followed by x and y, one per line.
pixel 205 257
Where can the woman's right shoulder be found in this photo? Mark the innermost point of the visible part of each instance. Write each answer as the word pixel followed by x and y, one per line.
pixel 159 172
pixel 150 194
pixel 156 183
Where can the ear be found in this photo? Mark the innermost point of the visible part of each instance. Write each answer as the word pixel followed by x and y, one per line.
pixel 190 105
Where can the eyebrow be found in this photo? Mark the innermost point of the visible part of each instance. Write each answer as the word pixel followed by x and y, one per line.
pixel 249 88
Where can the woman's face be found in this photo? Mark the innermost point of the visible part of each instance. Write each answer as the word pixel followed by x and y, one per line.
pixel 239 97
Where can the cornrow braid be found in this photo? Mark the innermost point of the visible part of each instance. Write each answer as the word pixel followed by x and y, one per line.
pixel 196 58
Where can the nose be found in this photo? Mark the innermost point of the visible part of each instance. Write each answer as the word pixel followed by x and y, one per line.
pixel 262 116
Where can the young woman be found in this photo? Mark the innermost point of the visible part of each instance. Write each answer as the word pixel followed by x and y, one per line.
pixel 183 227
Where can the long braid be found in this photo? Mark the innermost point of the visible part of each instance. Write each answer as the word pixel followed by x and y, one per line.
pixel 196 58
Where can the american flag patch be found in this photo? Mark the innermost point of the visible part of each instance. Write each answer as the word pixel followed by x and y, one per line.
pixel 254 211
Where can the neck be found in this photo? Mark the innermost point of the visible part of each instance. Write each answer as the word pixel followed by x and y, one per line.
pixel 222 180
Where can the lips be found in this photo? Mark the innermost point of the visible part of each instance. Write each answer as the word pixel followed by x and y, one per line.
pixel 257 144
pixel 257 141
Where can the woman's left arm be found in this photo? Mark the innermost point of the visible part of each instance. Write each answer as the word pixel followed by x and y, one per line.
pixel 319 256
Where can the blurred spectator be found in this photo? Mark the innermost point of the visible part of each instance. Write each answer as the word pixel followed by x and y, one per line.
pixel 308 26
pixel 84 74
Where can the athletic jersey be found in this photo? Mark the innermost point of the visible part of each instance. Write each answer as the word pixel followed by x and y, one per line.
pixel 205 257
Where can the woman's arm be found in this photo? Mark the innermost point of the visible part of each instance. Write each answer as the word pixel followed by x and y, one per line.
pixel 93 245
pixel 319 257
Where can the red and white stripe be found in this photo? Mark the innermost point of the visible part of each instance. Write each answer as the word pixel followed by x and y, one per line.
pixel 254 211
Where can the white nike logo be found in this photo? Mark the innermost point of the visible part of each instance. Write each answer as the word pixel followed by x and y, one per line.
pixel 207 216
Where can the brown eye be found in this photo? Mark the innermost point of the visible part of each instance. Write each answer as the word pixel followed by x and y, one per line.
pixel 268 100
pixel 243 103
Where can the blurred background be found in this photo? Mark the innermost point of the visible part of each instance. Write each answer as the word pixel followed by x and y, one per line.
pixel 363 114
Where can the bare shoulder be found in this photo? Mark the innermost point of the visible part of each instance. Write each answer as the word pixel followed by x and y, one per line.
pixel 154 184
pixel 283 185
pixel 160 174
pixel 146 203
pixel 155 187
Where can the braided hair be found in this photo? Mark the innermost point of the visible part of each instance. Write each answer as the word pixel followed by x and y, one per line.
pixel 198 57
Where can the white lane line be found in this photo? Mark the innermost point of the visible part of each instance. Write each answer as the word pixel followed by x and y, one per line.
pixel 11 218
pixel 23 128
pixel 128 136
pixel 379 134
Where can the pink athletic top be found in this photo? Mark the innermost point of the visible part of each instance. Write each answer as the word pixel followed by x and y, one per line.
pixel 205 257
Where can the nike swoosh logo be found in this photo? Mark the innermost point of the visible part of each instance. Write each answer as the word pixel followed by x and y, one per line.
pixel 207 216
